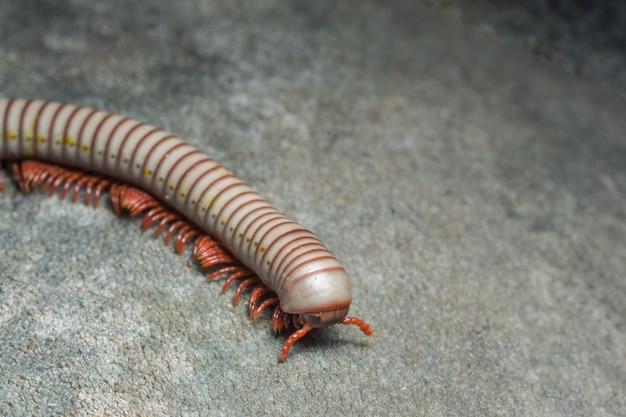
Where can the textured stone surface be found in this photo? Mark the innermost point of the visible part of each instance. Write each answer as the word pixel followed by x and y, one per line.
pixel 476 194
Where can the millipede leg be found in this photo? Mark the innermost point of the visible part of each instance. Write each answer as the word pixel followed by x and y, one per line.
pixel 293 338
pixel 365 328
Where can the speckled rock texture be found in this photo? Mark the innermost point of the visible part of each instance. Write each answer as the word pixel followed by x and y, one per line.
pixel 475 191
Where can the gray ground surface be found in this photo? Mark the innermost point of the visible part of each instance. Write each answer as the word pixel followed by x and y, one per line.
pixel 476 194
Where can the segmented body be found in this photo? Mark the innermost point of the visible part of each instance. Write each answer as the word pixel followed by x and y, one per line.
pixel 287 257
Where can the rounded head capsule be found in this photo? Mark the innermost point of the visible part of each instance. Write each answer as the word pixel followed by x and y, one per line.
pixel 320 297
pixel 325 318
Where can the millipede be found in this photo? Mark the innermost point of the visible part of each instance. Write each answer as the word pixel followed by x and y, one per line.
pixel 190 199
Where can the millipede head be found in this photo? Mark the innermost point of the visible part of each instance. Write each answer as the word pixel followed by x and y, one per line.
pixel 325 318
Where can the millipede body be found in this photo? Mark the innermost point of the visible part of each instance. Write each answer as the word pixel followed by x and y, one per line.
pixel 180 188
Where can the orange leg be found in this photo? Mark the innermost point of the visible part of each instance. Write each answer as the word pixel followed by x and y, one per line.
pixel 293 338
pixel 365 328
